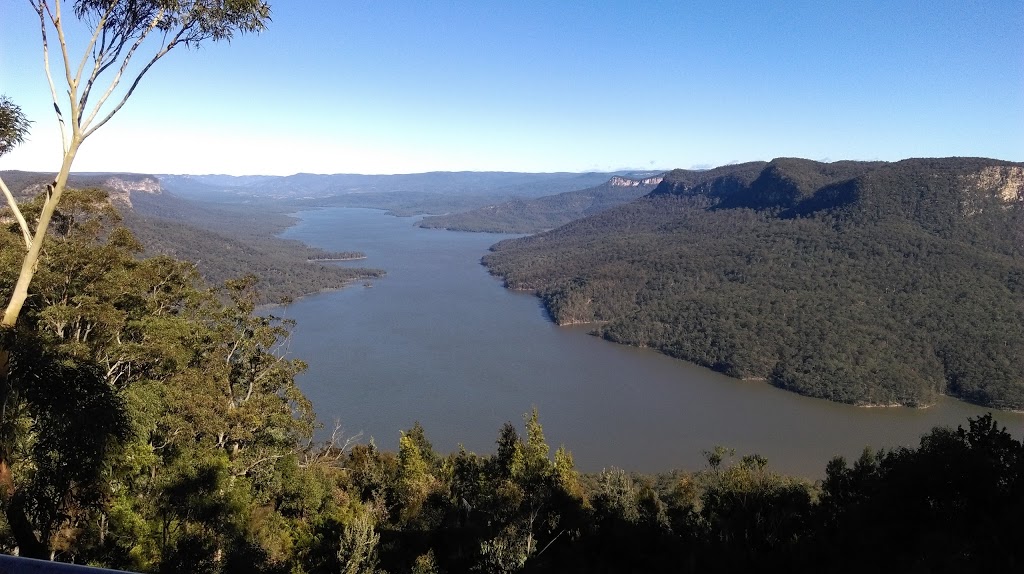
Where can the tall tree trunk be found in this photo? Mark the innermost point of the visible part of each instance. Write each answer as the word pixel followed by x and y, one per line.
pixel 29 545
pixel 10 499
pixel 31 261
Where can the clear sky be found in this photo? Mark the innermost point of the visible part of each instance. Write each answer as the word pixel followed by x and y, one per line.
pixel 397 87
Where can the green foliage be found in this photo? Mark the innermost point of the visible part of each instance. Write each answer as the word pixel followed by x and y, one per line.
pixel 414 478
pixel 425 564
pixel 161 411
pixel 952 504
pixel 14 125
pixel 190 21
pixel 358 549
pixel 865 283
pixel 60 423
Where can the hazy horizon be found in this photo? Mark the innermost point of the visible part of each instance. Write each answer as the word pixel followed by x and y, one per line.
pixel 402 87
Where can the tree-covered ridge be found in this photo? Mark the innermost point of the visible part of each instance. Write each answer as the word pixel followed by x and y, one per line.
pixel 891 286
pixel 530 215
pixel 224 241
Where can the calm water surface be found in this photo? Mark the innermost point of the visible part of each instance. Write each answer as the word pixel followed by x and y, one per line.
pixel 440 341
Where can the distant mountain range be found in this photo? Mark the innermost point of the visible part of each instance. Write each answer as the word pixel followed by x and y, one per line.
pixel 308 185
pixel 863 282
pixel 531 215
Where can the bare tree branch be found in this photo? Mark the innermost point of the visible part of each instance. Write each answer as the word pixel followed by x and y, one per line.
pixel 117 77
pixel 17 214
pixel 98 55
pixel 58 25
pixel 49 79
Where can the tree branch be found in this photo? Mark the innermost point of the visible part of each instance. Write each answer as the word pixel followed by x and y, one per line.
pixel 58 25
pixel 124 65
pixel 548 545
pixel 97 69
pixel 17 214
pixel 49 79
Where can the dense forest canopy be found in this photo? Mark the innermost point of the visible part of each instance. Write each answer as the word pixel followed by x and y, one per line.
pixel 861 282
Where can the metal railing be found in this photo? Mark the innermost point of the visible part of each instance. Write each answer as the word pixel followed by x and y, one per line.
pixel 19 565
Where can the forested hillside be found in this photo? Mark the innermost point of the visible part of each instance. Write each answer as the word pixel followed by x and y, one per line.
pixel 534 215
pixel 868 283
pixel 224 240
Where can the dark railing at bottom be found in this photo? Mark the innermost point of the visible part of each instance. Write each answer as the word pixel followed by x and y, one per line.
pixel 18 565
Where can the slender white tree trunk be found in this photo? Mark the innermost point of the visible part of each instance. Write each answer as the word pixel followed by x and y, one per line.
pixel 31 261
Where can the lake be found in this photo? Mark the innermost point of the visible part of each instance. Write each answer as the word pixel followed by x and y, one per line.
pixel 440 341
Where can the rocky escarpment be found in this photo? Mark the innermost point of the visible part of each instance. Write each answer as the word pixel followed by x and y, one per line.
pixel 1002 183
pixel 121 189
pixel 619 181
pixel 799 187
pixel 719 182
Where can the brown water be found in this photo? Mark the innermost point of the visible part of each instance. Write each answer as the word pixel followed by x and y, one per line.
pixel 440 341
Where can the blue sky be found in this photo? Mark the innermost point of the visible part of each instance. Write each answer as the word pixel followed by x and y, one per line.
pixel 400 87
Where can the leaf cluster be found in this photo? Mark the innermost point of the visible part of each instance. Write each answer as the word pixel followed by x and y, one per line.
pixel 14 125
pixel 194 21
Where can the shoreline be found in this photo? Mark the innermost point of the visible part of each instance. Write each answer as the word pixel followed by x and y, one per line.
pixel 321 291
pixel 749 378
pixel 319 259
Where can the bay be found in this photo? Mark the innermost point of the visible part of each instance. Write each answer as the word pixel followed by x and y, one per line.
pixel 440 341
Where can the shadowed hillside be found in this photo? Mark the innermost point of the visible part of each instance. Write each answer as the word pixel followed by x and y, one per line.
pixel 534 215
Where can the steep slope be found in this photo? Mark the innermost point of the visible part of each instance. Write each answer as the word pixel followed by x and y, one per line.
pixel 533 215
pixel 868 283
pixel 224 240
pixel 230 240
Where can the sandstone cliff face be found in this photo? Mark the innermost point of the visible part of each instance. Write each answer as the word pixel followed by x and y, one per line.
pixel 618 181
pixel 118 187
pixel 1003 183
pixel 121 189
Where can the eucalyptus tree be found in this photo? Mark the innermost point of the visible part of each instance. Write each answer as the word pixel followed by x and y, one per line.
pixel 128 37
pixel 94 81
